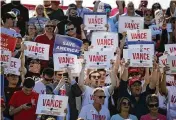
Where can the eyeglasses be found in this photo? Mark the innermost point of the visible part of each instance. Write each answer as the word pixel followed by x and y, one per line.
pixel 96 77
pixel 49 26
pixel 48 80
pixel 69 29
pixel 100 97
pixel 153 105
pixel 125 103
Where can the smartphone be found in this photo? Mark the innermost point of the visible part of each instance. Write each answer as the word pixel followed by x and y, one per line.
pixel 65 76
pixel 29 104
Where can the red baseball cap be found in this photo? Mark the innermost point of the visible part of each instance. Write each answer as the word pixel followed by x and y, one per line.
pixel 133 69
pixel 133 80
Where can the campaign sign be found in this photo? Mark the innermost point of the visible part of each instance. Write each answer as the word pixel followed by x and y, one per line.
pixel 37 50
pixel 155 29
pixel 171 49
pixel 66 44
pixel 14 68
pixel 130 23
pixel 140 58
pixel 63 60
pixel 51 105
pixel 139 35
pixel 7 42
pixel 95 21
pixel 5 58
pixel 172 64
pixel 125 54
pixel 104 40
pixel 159 18
pixel 99 59
pixel 163 60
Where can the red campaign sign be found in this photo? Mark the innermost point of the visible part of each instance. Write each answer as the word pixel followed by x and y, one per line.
pixel 8 42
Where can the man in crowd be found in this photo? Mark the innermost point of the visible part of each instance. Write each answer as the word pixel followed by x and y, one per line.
pixel 23 103
pixel 96 111
pixel 47 78
pixel 21 12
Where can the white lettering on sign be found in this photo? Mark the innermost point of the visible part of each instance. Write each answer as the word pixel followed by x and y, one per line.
pixel 105 42
pixel 69 44
pixel 98 58
pixel 141 56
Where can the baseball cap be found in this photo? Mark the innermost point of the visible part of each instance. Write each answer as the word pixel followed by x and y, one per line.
pixel 17 35
pixel 133 80
pixel 10 15
pixel 133 70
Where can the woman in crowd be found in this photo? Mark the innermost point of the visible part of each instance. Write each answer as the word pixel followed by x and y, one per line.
pixel 31 32
pixel 153 103
pixel 170 11
pixel 123 107
pixel 39 18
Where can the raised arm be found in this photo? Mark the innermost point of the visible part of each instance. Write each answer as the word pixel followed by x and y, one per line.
pixel 83 36
pixel 162 84
pixel 81 78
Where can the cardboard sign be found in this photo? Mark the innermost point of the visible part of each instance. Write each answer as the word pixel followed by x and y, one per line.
pixel 8 42
pixel 99 59
pixel 95 21
pixel 159 18
pixel 37 50
pixel 171 49
pixel 5 58
pixel 155 29
pixel 140 58
pixel 163 60
pixel 63 60
pixel 15 65
pixel 172 64
pixel 66 44
pixel 51 105
pixel 104 40
pixel 130 23
pixel 139 35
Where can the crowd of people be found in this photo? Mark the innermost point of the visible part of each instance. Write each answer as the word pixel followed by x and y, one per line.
pixel 118 93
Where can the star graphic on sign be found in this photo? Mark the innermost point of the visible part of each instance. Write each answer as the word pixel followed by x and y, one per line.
pixel 104 46
pixel 132 20
pixel 140 61
pixel 105 36
pixel 97 63
pixel 35 53
pixel 95 25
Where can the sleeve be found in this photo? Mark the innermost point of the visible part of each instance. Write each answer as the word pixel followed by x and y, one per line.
pixel 82 114
pixel 76 90
pixel 149 91
pixel 122 92
pixel 112 118
pixel 13 100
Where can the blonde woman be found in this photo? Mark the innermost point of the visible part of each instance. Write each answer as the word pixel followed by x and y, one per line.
pixel 39 19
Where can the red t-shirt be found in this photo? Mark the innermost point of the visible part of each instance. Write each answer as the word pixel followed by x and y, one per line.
pixel 148 117
pixel 19 98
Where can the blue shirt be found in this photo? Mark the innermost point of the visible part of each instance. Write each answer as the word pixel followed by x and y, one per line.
pixel 118 117
pixel 113 24
pixel 81 11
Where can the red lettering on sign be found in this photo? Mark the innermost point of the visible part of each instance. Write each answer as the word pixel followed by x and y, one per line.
pixel 95 20
pixel 52 103
pixel 132 25
pixel 98 58
pixel 67 60
pixel 105 41
pixel 36 49
pixel 13 64
pixel 141 56
pixel 173 49
pixel 173 99
pixel 139 35
pixel 98 117
pixel 173 63
pixel 4 58
pixel 164 61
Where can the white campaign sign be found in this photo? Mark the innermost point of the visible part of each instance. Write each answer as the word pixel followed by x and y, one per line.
pixel 37 50
pixel 104 40
pixel 159 18
pixel 5 58
pixel 155 29
pixel 125 54
pixel 140 58
pixel 95 21
pixel 139 35
pixel 130 23
pixel 15 65
pixel 148 47
pixel 99 59
pixel 52 105
pixel 172 64
pixel 77 68
pixel 63 60
pixel 163 60
pixel 171 49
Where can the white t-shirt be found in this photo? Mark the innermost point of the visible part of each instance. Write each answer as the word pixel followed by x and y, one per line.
pixel 88 96
pixel 88 112
pixel 40 87
pixel 10 32
pixel 171 109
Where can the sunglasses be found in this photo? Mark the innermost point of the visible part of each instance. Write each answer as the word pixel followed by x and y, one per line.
pixel 125 103
pixel 96 77
pixel 148 14
pixel 49 26
pixel 100 97
pixel 153 105
pixel 59 74
pixel 69 29
pixel 48 79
